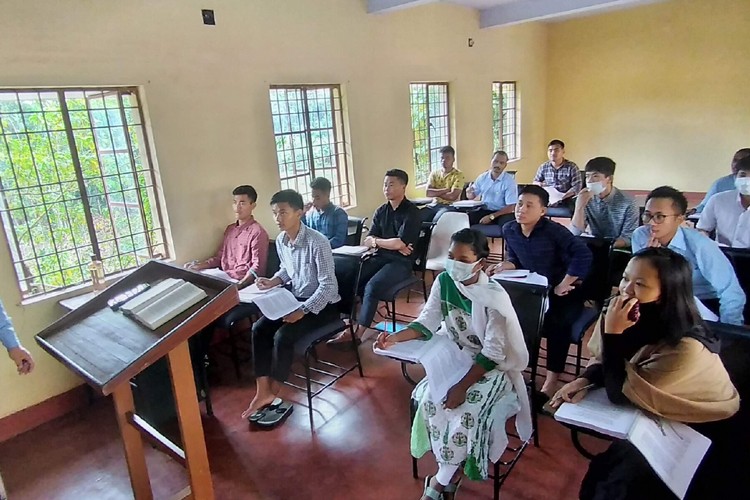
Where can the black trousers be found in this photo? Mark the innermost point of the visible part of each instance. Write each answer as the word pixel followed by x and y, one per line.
pixel 558 322
pixel 379 274
pixel 274 341
pixel 476 215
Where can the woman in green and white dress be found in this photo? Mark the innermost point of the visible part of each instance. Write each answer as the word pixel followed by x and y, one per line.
pixel 466 429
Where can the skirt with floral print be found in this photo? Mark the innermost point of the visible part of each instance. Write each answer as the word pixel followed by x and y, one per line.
pixel 463 435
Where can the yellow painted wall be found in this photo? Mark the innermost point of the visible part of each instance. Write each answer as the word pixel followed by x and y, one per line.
pixel 207 95
pixel 662 89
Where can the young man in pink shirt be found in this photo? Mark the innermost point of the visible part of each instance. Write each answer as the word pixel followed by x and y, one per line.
pixel 243 252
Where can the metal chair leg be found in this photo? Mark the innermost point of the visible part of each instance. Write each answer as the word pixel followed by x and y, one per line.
pixel 393 316
pixel 309 389
pixel 206 390
pixel 578 358
pixel 356 348
pixel 414 463
pixel 496 481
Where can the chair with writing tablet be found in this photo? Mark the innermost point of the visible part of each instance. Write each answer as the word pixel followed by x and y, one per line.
pixel 354 228
pixel 529 301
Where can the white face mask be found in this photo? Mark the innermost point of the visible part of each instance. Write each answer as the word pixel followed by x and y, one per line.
pixel 596 188
pixel 459 271
pixel 742 184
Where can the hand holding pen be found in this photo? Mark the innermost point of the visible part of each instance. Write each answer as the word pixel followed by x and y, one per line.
pixel 572 392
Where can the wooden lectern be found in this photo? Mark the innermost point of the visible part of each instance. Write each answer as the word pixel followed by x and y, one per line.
pixel 107 349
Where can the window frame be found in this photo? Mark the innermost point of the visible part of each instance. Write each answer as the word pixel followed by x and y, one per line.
pixel 432 167
pixel 158 210
pixel 499 108
pixel 345 178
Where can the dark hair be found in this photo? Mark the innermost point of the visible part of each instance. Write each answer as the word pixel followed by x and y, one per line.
pixel 290 196
pixel 601 164
pixel 500 152
pixel 741 153
pixel 398 173
pixel 556 142
pixel 743 164
pixel 249 191
pixel 321 184
pixel 678 199
pixel 678 313
pixel 536 191
pixel 448 149
pixel 475 239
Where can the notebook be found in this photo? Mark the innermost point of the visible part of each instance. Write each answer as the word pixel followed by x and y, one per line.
pixel 218 273
pixel 350 250
pixel 672 449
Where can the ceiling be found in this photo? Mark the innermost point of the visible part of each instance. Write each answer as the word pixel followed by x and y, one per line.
pixel 494 13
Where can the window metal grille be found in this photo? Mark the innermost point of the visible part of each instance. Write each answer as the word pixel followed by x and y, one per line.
pixel 76 180
pixel 308 126
pixel 505 129
pixel 430 124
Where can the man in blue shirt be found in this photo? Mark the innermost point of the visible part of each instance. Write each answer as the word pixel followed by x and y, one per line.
pixel 325 217
pixel 545 247
pixel 497 189
pixel 20 356
pixel 722 184
pixel 714 280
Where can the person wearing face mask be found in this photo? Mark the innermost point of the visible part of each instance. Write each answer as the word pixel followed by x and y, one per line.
pixel 728 213
pixel 602 208
pixel 651 349
pixel 721 184
pixel 468 427
pixel 714 280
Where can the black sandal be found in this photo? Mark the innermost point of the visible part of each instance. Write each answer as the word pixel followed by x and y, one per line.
pixel 260 413
pixel 273 417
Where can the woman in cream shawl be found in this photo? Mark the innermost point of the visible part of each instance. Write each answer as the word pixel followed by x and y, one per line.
pixel 652 349
pixel 467 427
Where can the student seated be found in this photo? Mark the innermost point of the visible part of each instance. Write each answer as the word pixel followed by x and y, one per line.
pixel 728 213
pixel 722 184
pixel 306 265
pixel 540 245
pixel 393 234
pixel 663 361
pixel 325 217
pixel 444 185
pixel 497 189
pixel 604 209
pixel 560 173
pixel 467 428
pixel 244 250
pixel 714 280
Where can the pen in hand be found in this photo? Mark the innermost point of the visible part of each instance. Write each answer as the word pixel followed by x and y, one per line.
pixel 557 399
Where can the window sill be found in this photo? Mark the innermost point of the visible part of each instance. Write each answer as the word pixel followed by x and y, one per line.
pixel 77 290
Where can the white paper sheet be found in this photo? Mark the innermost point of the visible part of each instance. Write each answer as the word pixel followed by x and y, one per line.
pixel 445 367
pixel 411 350
pixel 521 276
pixel 673 450
pixel 555 196
pixel 467 203
pixel 350 250
pixel 276 303
pixel 218 273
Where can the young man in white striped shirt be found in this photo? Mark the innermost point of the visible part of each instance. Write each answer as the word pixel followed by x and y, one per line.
pixel 306 264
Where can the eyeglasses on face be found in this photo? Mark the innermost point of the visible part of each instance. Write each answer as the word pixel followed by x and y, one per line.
pixel 657 218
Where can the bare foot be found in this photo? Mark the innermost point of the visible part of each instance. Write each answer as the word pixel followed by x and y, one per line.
pixel 257 403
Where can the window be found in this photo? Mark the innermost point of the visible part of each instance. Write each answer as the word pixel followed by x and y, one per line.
pixel 76 180
pixel 430 125
pixel 505 119
pixel 308 127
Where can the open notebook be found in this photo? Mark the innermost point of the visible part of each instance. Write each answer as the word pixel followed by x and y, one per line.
pixel 672 449
pixel 163 301
pixel 444 362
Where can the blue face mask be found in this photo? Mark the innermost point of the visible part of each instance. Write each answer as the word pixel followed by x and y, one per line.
pixel 460 271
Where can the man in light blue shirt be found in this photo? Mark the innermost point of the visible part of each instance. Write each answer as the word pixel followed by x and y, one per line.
pixel 714 280
pixel 722 184
pixel 498 190
pixel 20 356
pixel 325 217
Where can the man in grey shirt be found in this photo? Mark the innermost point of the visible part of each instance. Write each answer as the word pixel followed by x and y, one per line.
pixel 604 209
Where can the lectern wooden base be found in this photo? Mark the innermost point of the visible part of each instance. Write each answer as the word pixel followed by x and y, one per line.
pixel 108 349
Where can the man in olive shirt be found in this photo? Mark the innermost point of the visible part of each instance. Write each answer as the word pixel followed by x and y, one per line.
pixel 444 185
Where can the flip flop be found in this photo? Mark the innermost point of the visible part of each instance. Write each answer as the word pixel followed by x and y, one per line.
pixel 258 414
pixel 274 416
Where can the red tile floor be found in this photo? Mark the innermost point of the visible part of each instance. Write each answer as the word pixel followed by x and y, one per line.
pixel 359 448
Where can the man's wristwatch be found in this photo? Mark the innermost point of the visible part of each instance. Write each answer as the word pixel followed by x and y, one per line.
pixel 374 243
pixel 304 309
pixel 492 216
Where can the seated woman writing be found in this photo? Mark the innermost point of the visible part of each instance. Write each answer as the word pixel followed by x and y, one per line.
pixel 467 428
pixel 651 349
